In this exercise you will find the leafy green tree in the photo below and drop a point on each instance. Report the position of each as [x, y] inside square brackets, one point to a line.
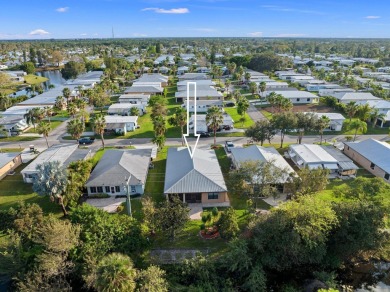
[51, 181]
[28, 67]
[134, 111]
[305, 122]
[364, 112]
[179, 119]
[115, 272]
[75, 128]
[284, 122]
[253, 88]
[242, 106]
[268, 61]
[99, 125]
[34, 116]
[149, 213]
[322, 124]
[172, 215]
[72, 69]
[5, 101]
[66, 93]
[261, 131]
[152, 280]
[159, 141]
[358, 125]
[257, 280]
[72, 109]
[228, 224]
[78, 174]
[262, 87]
[282, 103]
[214, 119]
[44, 129]
[309, 181]
[375, 115]
[60, 103]
[351, 109]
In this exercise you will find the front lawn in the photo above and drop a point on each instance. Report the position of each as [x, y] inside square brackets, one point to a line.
[34, 79]
[18, 139]
[53, 125]
[232, 111]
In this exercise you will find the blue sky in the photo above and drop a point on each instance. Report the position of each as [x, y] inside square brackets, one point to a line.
[26, 19]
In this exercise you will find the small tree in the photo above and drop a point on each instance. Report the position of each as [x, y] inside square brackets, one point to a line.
[358, 125]
[153, 280]
[75, 128]
[262, 87]
[322, 124]
[305, 122]
[51, 181]
[242, 106]
[228, 224]
[44, 129]
[284, 122]
[134, 111]
[172, 215]
[261, 131]
[214, 119]
[351, 109]
[179, 119]
[309, 182]
[253, 88]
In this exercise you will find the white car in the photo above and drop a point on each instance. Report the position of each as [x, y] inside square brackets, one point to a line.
[228, 146]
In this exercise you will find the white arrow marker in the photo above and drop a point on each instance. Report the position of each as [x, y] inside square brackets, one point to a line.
[191, 151]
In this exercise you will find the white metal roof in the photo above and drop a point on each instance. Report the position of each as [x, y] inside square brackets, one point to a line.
[294, 94]
[7, 157]
[120, 119]
[311, 153]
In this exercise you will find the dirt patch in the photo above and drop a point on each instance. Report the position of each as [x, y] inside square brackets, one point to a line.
[307, 108]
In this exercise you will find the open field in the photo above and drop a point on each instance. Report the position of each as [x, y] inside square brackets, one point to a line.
[34, 79]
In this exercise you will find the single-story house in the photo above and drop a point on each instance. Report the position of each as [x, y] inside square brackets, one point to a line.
[312, 156]
[263, 154]
[302, 80]
[371, 154]
[321, 86]
[182, 69]
[13, 122]
[334, 91]
[145, 89]
[195, 180]
[201, 125]
[135, 99]
[202, 105]
[118, 169]
[336, 120]
[346, 165]
[9, 161]
[49, 97]
[123, 109]
[202, 93]
[182, 85]
[354, 96]
[288, 75]
[296, 96]
[121, 124]
[63, 153]
[274, 85]
[193, 76]
[383, 106]
[169, 58]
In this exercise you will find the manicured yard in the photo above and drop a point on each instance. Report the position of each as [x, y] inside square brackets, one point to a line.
[18, 139]
[53, 125]
[34, 79]
[232, 111]
[5, 150]
[14, 190]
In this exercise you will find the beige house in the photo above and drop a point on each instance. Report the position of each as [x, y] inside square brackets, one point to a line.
[371, 154]
[9, 162]
[195, 180]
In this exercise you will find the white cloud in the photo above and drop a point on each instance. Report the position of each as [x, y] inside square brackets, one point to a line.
[289, 35]
[203, 29]
[139, 35]
[255, 34]
[39, 32]
[83, 34]
[168, 11]
[372, 17]
[62, 9]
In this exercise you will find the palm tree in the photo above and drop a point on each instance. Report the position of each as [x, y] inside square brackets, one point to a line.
[48, 112]
[134, 111]
[60, 103]
[5, 101]
[3, 131]
[75, 128]
[272, 100]
[253, 88]
[351, 109]
[83, 114]
[72, 109]
[364, 112]
[159, 125]
[179, 119]
[247, 76]
[262, 87]
[66, 93]
[214, 119]
[227, 85]
[99, 124]
[358, 125]
[231, 67]
[115, 272]
[322, 124]
[32, 116]
[44, 129]
[159, 141]
[375, 115]
[242, 107]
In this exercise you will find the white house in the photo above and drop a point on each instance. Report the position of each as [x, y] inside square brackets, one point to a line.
[193, 76]
[123, 109]
[354, 96]
[13, 122]
[383, 107]
[302, 80]
[333, 91]
[182, 69]
[320, 86]
[336, 120]
[274, 85]
[121, 124]
[202, 105]
[296, 96]
[201, 125]
[118, 170]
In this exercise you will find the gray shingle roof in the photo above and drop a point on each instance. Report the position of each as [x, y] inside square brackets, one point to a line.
[117, 165]
[197, 175]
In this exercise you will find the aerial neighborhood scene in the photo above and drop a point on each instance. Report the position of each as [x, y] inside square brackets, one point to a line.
[206, 145]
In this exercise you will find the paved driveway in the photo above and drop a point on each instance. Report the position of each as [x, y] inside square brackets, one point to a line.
[107, 204]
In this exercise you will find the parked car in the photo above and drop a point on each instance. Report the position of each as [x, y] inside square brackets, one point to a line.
[227, 127]
[228, 146]
[203, 134]
[230, 104]
[86, 141]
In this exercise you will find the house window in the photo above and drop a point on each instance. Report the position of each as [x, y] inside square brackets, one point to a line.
[117, 189]
[298, 99]
[107, 189]
[93, 190]
[348, 147]
[133, 189]
[372, 166]
[213, 196]
[308, 99]
[100, 190]
[387, 176]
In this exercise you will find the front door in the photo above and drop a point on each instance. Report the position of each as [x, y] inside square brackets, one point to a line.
[112, 190]
[194, 198]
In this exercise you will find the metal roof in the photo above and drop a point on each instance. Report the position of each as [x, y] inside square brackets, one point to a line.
[120, 119]
[311, 153]
[201, 174]
[377, 152]
[116, 167]
[343, 161]
[141, 89]
[294, 94]
[5, 158]
[355, 96]
[331, 116]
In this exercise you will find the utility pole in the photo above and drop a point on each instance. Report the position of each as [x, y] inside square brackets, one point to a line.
[128, 199]
[113, 35]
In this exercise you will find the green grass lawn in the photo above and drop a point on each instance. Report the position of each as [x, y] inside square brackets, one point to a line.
[53, 125]
[17, 139]
[232, 111]
[6, 150]
[267, 114]
[34, 79]
[62, 114]
[14, 190]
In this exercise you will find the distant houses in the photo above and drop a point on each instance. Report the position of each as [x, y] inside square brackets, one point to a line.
[121, 124]
[202, 126]
[118, 170]
[197, 180]
[347, 97]
[336, 120]
[296, 96]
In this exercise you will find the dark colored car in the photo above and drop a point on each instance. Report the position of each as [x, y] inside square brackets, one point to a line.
[203, 134]
[230, 104]
[86, 141]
